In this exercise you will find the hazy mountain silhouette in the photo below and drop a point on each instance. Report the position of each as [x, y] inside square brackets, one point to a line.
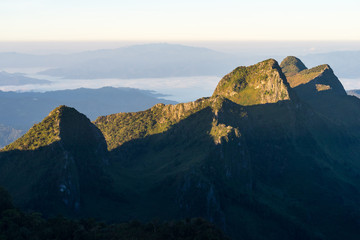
[139, 61]
[355, 92]
[18, 79]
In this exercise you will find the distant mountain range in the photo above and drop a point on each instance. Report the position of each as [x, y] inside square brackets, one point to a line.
[272, 154]
[161, 60]
[140, 61]
[18, 79]
[9, 134]
[355, 92]
[22, 110]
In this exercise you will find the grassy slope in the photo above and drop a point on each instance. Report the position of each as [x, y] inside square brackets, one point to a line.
[306, 76]
[123, 127]
[40, 135]
[257, 84]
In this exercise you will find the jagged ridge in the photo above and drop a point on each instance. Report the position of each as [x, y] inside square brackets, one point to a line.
[258, 84]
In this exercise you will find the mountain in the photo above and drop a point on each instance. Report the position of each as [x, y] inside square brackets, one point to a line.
[258, 84]
[148, 61]
[292, 65]
[68, 153]
[259, 158]
[308, 82]
[18, 79]
[138, 61]
[27, 108]
[322, 90]
[354, 92]
[8, 134]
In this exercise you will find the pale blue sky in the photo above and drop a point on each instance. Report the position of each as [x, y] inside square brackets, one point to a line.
[160, 20]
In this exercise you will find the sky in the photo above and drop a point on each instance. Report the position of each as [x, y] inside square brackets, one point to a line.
[167, 20]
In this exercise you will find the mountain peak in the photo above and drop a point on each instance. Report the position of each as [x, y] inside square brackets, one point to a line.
[308, 82]
[257, 84]
[63, 124]
[59, 111]
[292, 65]
[41, 134]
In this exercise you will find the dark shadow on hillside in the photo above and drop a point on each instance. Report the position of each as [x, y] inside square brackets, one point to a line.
[333, 104]
[190, 132]
[285, 167]
[54, 179]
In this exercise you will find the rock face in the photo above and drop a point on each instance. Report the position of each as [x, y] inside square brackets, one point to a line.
[258, 84]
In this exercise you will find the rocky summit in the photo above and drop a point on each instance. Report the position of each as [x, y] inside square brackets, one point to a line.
[262, 158]
[307, 82]
[258, 84]
[292, 65]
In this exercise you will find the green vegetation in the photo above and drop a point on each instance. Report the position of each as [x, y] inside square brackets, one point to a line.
[257, 84]
[123, 127]
[17, 225]
[41, 134]
[306, 76]
[5, 201]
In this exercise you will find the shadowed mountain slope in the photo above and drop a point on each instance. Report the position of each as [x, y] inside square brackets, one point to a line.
[307, 82]
[55, 163]
[322, 90]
